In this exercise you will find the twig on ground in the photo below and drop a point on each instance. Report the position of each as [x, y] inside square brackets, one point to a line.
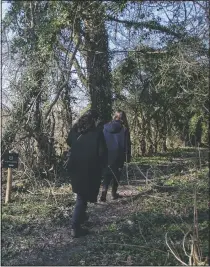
[171, 250]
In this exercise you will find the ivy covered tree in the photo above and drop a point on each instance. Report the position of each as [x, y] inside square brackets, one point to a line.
[149, 58]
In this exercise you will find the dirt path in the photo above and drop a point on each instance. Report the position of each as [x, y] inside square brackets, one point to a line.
[36, 231]
[55, 246]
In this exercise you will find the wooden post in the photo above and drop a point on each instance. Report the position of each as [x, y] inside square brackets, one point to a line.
[9, 186]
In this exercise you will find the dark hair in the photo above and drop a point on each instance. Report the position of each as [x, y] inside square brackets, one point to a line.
[86, 121]
[122, 117]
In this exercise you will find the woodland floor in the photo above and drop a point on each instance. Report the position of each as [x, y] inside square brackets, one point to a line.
[158, 198]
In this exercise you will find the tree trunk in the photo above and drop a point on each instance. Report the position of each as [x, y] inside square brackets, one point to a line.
[98, 67]
[164, 133]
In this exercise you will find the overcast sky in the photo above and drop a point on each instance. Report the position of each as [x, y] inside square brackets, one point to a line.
[4, 7]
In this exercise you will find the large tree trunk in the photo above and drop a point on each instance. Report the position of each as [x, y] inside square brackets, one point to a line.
[98, 68]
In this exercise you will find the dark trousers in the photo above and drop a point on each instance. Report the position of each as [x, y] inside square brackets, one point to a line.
[79, 211]
[111, 174]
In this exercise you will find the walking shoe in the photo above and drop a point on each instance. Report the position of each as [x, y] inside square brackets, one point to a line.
[103, 196]
[116, 196]
[78, 232]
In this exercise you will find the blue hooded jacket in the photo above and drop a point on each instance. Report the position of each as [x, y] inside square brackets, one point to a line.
[118, 143]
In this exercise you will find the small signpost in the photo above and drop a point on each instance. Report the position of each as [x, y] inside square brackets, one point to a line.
[10, 161]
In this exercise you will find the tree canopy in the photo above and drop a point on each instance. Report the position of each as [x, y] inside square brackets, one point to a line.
[149, 58]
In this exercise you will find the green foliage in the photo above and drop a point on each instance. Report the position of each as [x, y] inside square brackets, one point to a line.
[161, 88]
[193, 123]
[131, 232]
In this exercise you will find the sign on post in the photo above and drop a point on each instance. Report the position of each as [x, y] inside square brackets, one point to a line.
[10, 161]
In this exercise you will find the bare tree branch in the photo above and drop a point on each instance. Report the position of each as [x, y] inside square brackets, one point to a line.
[153, 26]
[171, 250]
[65, 83]
[79, 72]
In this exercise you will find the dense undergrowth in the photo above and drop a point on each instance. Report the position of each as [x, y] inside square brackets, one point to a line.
[130, 231]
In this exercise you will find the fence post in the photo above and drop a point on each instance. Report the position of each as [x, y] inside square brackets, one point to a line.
[9, 186]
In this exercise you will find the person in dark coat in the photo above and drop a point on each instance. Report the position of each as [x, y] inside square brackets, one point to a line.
[118, 142]
[87, 160]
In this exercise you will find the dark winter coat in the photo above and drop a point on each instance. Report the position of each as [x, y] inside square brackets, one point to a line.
[118, 143]
[87, 160]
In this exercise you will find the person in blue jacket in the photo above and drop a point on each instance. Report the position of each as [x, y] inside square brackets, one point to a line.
[117, 136]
